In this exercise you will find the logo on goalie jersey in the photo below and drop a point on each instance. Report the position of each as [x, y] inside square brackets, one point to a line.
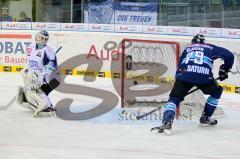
[39, 54]
[34, 64]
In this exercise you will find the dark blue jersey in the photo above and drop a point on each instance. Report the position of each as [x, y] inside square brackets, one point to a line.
[196, 62]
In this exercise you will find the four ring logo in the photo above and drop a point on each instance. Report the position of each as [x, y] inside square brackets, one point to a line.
[7, 68]
[22, 25]
[106, 28]
[132, 28]
[17, 25]
[69, 72]
[80, 27]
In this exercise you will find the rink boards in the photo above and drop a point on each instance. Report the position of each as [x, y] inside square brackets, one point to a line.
[97, 47]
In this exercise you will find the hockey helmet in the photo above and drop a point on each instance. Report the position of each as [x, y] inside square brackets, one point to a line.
[42, 37]
[198, 39]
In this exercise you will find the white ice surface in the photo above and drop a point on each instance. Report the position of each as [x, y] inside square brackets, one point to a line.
[108, 137]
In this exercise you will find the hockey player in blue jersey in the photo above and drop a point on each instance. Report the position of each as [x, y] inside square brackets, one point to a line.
[195, 69]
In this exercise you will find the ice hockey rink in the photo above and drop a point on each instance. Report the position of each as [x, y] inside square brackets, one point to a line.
[108, 137]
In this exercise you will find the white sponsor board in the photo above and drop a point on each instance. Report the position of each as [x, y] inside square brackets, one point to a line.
[128, 28]
[17, 25]
[123, 28]
[101, 27]
[74, 27]
[179, 30]
[155, 29]
[231, 33]
[211, 32]
[93, 45]
[46, 26]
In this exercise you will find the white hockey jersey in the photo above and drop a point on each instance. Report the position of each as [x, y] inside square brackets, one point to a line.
[41, 61]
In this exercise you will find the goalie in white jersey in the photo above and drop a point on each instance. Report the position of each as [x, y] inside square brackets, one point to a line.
[41, 64]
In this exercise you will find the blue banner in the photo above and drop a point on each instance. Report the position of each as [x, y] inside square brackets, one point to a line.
[136, 13]
[99, 13]
[127, 13]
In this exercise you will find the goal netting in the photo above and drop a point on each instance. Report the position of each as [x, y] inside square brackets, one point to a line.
[148, 69]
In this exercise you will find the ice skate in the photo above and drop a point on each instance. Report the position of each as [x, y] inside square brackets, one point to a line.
[207, 121]
[46, 112]
[165, 128]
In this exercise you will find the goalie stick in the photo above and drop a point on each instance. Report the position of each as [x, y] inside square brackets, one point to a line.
[4, 107]
[156, 109]
[58, 49]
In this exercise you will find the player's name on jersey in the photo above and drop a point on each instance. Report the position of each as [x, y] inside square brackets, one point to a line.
[198, 69]
[194, 49]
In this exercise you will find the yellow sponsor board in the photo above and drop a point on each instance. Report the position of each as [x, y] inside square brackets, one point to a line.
[117, 75]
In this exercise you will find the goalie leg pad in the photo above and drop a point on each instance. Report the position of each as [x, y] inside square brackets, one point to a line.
[29, 106]
[22, 101]
[20, 95]
[33, 81]
[38, 99]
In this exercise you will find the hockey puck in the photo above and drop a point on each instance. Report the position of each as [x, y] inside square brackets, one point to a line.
[135, 82]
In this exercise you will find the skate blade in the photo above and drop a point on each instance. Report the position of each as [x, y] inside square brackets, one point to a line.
[206, 125]
[167, 132]
[39, 114]
[45, 115]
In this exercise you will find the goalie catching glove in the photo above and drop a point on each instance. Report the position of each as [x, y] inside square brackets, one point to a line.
[223, 73]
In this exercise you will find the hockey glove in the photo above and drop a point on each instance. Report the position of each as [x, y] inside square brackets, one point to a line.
[223, 73]
[35, 81]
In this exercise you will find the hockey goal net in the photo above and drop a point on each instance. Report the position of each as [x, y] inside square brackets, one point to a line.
[148, 70]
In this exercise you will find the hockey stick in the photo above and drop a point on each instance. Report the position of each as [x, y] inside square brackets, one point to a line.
[3, 107]
[152, 111]
[58, 49]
